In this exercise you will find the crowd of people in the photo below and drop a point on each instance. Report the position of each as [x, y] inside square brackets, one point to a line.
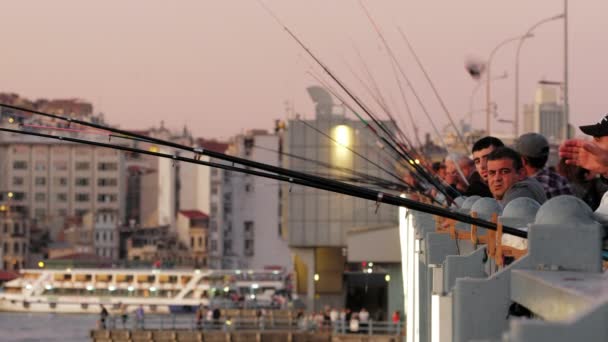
[344, 319]
[505, 173]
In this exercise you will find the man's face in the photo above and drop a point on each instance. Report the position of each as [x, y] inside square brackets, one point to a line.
[451, 173]
[481, 161]
[501, 176]
[601, 142]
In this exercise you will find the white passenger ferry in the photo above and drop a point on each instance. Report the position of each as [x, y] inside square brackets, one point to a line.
[158, 290]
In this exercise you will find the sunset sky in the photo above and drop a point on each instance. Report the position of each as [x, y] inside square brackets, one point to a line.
[224, 66]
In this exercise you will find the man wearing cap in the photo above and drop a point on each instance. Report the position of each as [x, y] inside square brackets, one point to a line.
[534, 151]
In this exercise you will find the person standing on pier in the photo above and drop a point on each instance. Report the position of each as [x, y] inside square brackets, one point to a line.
[139, 317]
[103, 315]
[123, 314]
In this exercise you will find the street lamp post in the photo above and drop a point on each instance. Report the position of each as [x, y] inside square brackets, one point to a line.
[521, 42]
[474, 92]
[488, 77]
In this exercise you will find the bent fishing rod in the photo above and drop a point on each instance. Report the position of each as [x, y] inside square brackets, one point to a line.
[406, 161]
[400, 151]
[289, 176]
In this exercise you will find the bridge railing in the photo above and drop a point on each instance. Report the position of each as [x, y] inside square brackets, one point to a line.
[189, 322]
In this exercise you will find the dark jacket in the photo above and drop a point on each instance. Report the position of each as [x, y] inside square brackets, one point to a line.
[477, 186]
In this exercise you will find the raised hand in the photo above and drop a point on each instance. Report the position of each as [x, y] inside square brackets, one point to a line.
[585, 154]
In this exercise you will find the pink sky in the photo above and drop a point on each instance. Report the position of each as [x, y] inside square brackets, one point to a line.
[224, 66]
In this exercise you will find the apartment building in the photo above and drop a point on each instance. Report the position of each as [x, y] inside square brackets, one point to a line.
[192, 230]
[47, 179]
[106, 234]
[245, 209]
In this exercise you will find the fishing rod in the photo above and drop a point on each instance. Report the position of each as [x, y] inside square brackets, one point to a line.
[353, 151]
[329, 166]
[380, 101]
[137, 137]
[420, 174]
[284, 175]
[398, 159]
[407, 106]
[410, 85]
[399, 151]
[428, 78]
[315, 182]
[375, 120]
[402, 72]
[362, 177]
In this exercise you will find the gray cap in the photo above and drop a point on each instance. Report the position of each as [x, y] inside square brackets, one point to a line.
[532, 145]
[485, 207]
[519, 212]
[565, 210]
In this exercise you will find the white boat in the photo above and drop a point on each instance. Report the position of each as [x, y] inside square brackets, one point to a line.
[158, 291]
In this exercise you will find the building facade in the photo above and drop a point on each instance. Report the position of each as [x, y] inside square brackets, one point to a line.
[193, 230]
[546, 116]
[317, 222]
[14, 241]
[46, 180]
[246, 210]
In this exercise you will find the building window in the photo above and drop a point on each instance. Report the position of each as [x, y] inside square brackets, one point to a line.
[200, 241]
[16, 228]
[191, 242]
[248, 187]
[60, 165]
[104, 236]
[107, 182]
[81, 181]
[16, 247]
[40, 165]
[106, 198]
[83, 166]
[213, 226]
[60, 181]
[39, 212]
[18, 180]
[228, 246]
[214, 189]
[19, 165]
[248, 228]
[213, 245]
[227, 208]
[5, 228]
[40, 197]
[213, 209]
[107, 166]
[80, 212]
[81, 197]
[40, 181]
[6, 250]
[62, 197]
[248, 247]
[19, 196]
[62, 212]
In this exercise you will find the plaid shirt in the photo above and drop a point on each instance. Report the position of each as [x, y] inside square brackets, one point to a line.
[553, 183]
